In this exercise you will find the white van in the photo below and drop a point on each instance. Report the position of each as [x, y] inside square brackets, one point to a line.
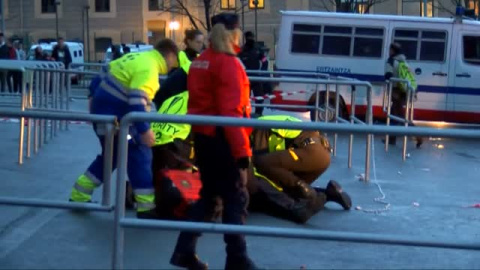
[76, 51]
[133, 48]
[443, 52]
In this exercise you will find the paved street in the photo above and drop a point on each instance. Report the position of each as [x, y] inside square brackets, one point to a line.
[429, 195]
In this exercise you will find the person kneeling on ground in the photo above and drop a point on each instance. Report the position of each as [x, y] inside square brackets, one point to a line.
[286, 163]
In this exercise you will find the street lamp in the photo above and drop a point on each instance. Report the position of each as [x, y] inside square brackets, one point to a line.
[174, 26]
[57, 3]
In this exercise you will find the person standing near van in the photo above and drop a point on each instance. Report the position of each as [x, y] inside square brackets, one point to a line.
[61, 53]
[399, 95]
[219, 86]
[4, 55]
[253, 59]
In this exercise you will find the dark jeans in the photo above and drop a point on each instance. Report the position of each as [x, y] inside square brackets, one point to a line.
[220, 177]
[16, 78]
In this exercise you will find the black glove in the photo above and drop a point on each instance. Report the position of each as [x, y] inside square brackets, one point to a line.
[244, 162]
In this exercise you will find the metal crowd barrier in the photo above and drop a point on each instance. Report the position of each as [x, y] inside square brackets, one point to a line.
[109, 122]
[121, 222]
[327, 81]
[49, 89]
[409, 110]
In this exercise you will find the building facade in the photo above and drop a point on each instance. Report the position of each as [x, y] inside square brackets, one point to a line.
[100, 23]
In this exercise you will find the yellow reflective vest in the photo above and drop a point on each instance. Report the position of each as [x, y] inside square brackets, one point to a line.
[276, 141]
[168, 132]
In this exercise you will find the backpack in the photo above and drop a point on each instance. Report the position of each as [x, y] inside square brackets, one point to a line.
[176, 192]
[404, 72]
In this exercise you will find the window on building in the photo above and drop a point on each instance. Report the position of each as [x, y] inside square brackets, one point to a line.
[75, 53]
[102, 5]
[472, 5]
[471, 49]
[422, 45]
[156, 5]
[102, 44]
[430, 8]
[361, 7]
[228, 4]
[260, 4]
[48, 6]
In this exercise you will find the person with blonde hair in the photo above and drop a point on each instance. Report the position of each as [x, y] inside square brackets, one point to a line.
[218, 86]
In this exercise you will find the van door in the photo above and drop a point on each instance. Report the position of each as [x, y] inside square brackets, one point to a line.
[466, 86]
[426, 49]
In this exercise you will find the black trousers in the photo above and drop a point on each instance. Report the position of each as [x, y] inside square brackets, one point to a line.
[268, 200]
[220, 177]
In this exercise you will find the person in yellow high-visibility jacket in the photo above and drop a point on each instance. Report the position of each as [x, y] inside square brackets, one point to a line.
[129, 85]
[289, 161]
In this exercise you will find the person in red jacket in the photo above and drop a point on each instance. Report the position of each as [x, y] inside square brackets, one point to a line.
[218, 86]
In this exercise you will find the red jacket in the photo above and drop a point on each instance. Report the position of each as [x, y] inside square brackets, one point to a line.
[219, 86]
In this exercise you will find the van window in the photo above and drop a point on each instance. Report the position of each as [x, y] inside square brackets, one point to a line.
[80, 53]
[337, 40]
[368, 42]
[306, 38]
[75, 54]
[422, 45]
[471, 49]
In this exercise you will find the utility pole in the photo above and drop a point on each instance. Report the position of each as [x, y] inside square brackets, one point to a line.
[87, 10]
[3, 17]
[57, 3]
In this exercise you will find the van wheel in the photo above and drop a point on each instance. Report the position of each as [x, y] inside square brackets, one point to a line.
[330, 114]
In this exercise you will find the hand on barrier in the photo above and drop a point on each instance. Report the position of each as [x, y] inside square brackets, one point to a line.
[148, 138]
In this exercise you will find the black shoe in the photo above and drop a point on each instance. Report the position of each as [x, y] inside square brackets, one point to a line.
[336, 194]
[419, 142]
[240, 263]
[150, 214]
[191, 262]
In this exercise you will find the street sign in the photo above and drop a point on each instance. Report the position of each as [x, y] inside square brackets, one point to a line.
[260, 4]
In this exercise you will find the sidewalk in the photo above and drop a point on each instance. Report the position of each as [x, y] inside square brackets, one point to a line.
[428, 195]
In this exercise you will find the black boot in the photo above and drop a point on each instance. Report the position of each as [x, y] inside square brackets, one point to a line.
[242, 262]
[188, 261]
[150, 214]
[303, 190]
[129, 197]
[335, 193]
[303, 210]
